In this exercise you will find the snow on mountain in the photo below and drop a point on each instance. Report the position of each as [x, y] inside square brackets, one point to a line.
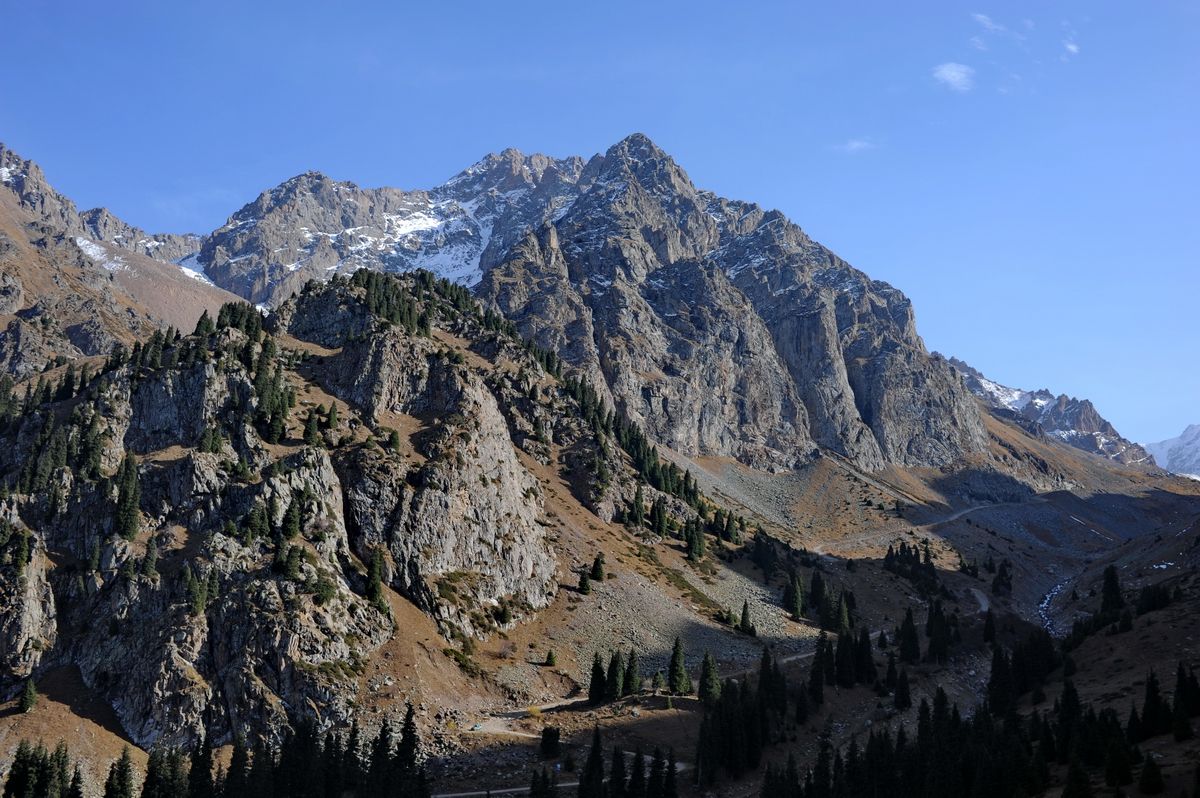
[1073, 421]
[1180, 455]
[313, 227]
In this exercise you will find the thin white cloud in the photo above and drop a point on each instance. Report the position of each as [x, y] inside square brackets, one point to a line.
[1071, 47]
[855, 146]
[978, 43]
[990, 25]
[954, 76]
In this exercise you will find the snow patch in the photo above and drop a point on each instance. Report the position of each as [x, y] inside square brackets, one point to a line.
[100, 256]
[192, 267]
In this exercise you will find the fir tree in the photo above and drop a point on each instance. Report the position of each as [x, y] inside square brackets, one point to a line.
[591, 780]
[710, 680]
[1151, 780]
[678, 680]
[614, 683]
[585, 583]
[633, 674]
[129, 498]
[903, 697]
[597, 572]
[598, 682]
[120, 777]
[1111, 600]
[910, 644]
[29, 697]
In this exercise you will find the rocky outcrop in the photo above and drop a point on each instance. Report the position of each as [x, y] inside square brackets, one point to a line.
[460, 528]
[28, 618]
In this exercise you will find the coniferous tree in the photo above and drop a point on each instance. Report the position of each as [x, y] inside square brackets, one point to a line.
[29, 697]
[617, 781]
[710, 681]
[637, 776]
[903, 697]
[678, 680]
[591, 780]
[1078, 785]
[129, 498]
[614, 683]
[1111, 600]
[1151, 780]
[375, 581]
[633, 674]
[989, 627]
[119, 783]
[598, 683]
[909, 644]
[200, 774]
[585, 583]
[597, 572]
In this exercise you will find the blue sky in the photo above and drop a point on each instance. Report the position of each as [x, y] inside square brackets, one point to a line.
[1026, 172]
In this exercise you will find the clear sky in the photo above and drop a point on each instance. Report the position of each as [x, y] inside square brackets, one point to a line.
[1027, 172]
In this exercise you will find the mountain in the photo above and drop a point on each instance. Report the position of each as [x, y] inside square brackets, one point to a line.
[1073, 421]
[658, 421]
[73, 284]
[1180, 455]
[717, 325]
[312, 227]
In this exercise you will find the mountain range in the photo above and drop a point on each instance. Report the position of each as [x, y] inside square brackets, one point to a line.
[358, 448]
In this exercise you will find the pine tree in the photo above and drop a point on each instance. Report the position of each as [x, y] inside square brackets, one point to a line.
[903, 697]
[910, 644]
[591, 780]
[409, 745]
[1151, 780]
[597, 572]
[598, 683]
[200, 774]
[678, 680]
[614, 683]
[29, 697]
[617, 782]
[710, 680]
[989, 627]
[744, 624]
[120, 777]
[1078, 785]
[1111, 600]
[633, 674]
[375, 581]
[585, 583]
[551, 660]
[312, 431]
[129, 498]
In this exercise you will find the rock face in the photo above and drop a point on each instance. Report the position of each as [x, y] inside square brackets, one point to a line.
[720, 327]
[724, 330]
[1075, 422]
[1180, 455]
[461, 528]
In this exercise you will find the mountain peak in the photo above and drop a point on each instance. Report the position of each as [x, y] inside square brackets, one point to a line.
[637, 147]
